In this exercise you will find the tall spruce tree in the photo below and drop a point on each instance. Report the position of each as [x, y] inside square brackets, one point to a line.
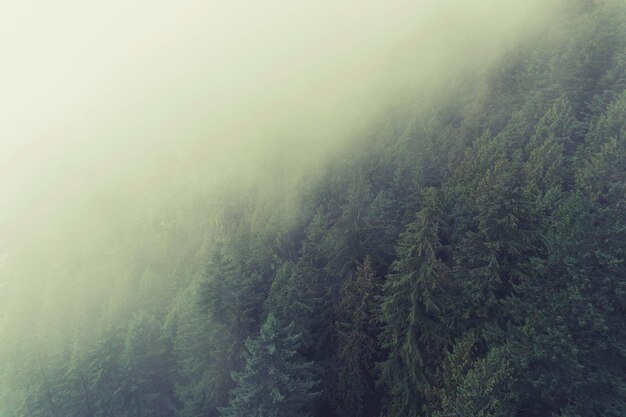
[357, 346]
[412, 312]
[276, 382]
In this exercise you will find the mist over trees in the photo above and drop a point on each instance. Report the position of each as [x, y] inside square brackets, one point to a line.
[465, 256]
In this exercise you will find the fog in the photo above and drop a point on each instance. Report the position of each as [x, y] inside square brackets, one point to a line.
[107, 105]
[96, 93]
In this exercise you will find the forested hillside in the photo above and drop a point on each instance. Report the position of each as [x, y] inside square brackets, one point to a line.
[463, 257]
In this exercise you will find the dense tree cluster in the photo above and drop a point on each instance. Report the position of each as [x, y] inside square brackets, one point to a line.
[467, 260]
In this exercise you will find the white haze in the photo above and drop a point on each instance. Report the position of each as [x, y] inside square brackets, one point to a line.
[107, 100]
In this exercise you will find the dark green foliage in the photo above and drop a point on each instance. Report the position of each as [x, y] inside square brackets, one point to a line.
[149, 388]
[575, 304]
[288, 302]
[480, 388]
[275, 381]
[465, 257]
[413, 312]
[357, 345]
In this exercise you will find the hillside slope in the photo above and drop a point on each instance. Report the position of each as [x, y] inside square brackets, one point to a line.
[465, 258]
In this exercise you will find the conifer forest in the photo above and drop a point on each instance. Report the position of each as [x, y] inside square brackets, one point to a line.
[452, 244]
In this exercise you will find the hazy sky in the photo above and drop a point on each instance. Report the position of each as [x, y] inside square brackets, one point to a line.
[117, 114]
[92, 91]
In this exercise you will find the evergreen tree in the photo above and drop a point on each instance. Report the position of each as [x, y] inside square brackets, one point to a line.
[275, 381]
[477, 388]
[504, 296]
[288, 302]
[148, 389]
[413, 310]
[357, 347]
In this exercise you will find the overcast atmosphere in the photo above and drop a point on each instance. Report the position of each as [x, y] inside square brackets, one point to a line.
[331, 208]
[95, 92]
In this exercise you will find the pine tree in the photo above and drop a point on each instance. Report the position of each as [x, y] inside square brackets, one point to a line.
[288, 302]
[357, 347]
[234, 300]
[275, 381]
[569, 349]
[476, 388]
[412, 311]
[149, 387]
[504, 234]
